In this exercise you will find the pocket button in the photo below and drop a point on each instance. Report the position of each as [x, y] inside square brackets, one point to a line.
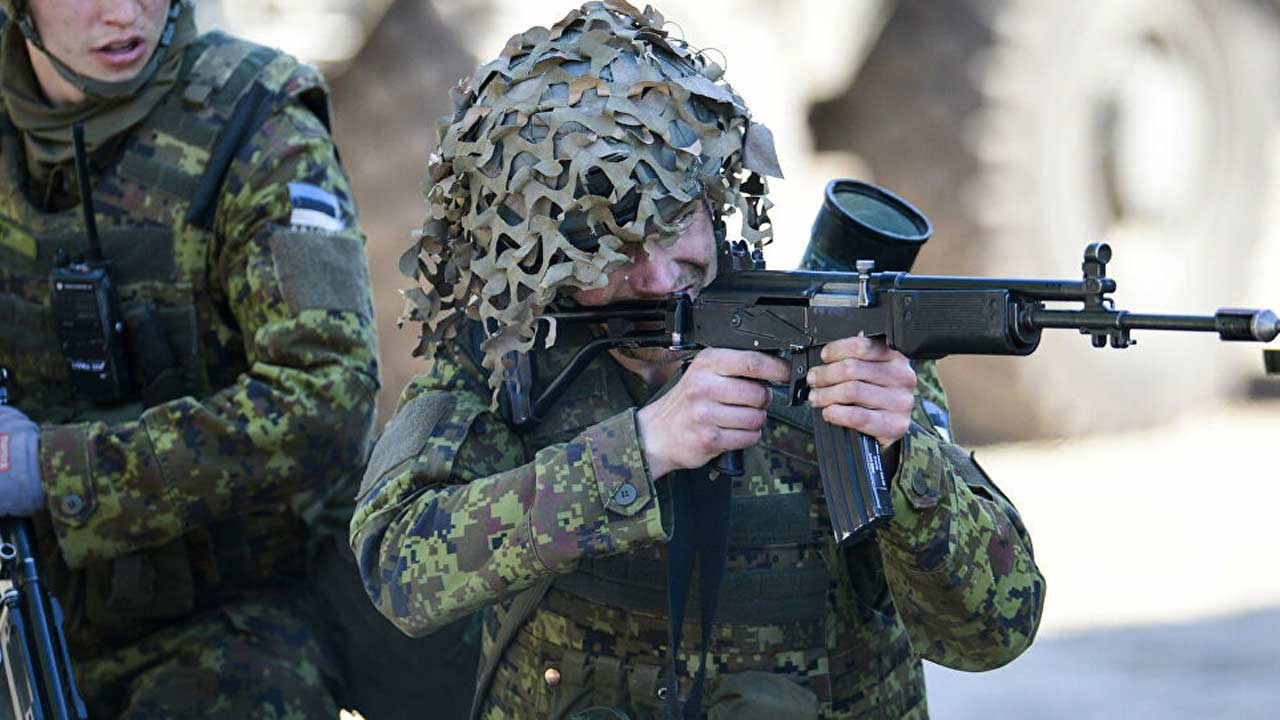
[625, 494]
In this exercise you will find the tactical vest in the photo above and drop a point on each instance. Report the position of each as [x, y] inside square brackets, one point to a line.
[758, 519]
[155, 192]
[770, 516]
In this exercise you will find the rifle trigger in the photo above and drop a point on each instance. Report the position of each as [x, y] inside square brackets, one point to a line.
[798, 383]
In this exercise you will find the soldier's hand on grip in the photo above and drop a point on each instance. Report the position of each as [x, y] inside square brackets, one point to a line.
[865, 386]
[716, 406]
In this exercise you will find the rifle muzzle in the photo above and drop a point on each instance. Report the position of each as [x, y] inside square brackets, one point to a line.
[1247, 324]
[1274, 331]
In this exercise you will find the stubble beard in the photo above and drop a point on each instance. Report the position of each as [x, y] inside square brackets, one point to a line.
[657, 364]
[695, 277]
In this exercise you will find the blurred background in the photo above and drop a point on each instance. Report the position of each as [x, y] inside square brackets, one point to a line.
[1025, 129]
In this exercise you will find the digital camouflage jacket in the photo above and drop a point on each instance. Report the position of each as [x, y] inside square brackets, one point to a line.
[185, 494]
[459, 512]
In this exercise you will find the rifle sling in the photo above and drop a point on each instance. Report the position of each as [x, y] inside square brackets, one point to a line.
[700, 510]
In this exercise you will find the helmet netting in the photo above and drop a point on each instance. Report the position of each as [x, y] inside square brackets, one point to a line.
[597, 132]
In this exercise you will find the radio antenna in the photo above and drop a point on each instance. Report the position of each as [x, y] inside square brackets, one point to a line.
[86, 196]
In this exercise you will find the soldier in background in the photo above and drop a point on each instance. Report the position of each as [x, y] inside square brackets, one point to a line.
[593, 162]
[169, 507]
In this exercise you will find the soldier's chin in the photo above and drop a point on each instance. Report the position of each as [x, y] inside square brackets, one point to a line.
[655, 355]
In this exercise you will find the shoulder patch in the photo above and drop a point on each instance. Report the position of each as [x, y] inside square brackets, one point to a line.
[321, 271]
[405, 436]
[314, 207]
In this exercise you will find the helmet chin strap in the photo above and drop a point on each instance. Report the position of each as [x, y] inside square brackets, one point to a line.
[101, 89]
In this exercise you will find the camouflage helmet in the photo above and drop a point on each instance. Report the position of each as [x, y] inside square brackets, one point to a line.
[597, 132]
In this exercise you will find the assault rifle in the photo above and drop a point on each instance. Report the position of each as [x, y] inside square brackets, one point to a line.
[795, 313]
[36, 662]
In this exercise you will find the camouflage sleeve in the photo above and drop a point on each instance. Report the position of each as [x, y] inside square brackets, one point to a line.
[956, 555]
[299, 412]
[452, 516]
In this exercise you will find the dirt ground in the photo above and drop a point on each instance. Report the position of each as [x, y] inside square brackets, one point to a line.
[1225, 667]
[1160, 551]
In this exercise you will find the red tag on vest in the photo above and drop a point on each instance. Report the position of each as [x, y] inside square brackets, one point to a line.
[4, 452]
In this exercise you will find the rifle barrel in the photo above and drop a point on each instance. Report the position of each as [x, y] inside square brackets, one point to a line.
[1104, 319]
[49, 681]
[1243, 324]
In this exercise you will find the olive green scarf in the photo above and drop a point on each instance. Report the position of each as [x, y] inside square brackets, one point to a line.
[108, 110]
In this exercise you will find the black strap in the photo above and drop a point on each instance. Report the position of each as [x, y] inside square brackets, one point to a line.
[251, 111]
[700, 510]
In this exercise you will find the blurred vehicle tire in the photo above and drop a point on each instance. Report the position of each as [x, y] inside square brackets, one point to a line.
[1026, 129]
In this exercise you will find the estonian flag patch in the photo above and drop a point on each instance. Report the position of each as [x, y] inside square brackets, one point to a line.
[314, 207]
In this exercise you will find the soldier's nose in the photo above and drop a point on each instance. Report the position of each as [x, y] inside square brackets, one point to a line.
[120, 12]
[656, 275]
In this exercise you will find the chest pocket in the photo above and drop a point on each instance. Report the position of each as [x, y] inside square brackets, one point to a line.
[159, 309]
[162, 319]
[157, 302]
